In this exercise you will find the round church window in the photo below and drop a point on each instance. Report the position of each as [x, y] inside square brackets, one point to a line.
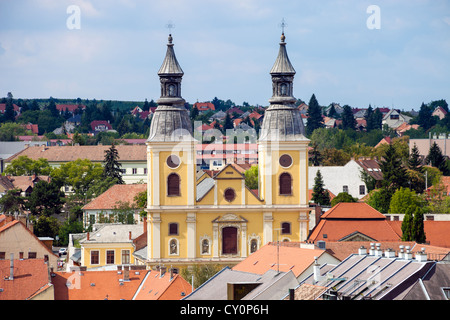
[285, 161]
[229, 195]
[173, 161]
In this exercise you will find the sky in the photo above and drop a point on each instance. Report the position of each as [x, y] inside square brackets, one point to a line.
[396, 54]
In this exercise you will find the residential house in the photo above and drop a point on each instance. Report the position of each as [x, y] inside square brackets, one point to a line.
[230, 284]
[25, 279]
[405, 127]
[393, 119]
[5, 185]
[26, 183]
[439, 112]
[286, 256]
[353, 222]
[219, 115]
[215, 156]
[15, 106]
[236, 110]
[63, 108]
[100, 126]
[109, 245]
[424, 145]
[204, 107]
[303, 108]
[110, 201]
[345, 178]
[17, 239]
[133, 158]
[385, 140]
[9, 148]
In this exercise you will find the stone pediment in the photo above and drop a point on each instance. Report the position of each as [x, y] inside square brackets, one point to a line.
[229, 217]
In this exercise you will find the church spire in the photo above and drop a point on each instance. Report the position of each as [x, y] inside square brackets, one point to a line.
[282, 120]
[171, 119]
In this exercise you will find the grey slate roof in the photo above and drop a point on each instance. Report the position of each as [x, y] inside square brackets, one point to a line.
[282, 123]
[273, 285]
[170, 123]
[203, 187]
[282, 64]
[432, 285]
[170, 64]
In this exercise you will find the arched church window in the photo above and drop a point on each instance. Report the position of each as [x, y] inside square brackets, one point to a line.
[285, 184]
[284, 89]
[173, 185]
[172, 90]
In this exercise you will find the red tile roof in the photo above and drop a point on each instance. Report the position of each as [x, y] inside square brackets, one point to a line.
[117, 193]
[345, 219]
[96, 285]
[157, 287]
[290, 258]
[204, 106]
[68, 107]
[436, 232]
[30, 277]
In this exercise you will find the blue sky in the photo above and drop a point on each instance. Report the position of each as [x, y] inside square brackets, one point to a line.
[227, 48]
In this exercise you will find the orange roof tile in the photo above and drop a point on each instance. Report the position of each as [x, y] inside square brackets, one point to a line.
[96, 285]
[72, 153]
[117, 193]
[156, 287]
[30, 276]
[345, 219]
[290, 258]
[346, 210]
[436, 232]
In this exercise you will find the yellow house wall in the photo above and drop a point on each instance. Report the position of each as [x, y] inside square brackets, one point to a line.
[292, 218]
[102, 254]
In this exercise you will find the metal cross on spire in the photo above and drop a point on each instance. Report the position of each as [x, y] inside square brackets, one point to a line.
[282, 25]
[170, 26]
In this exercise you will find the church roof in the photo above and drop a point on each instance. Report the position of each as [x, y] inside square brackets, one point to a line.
[282, 123]
[170, 123]
[282, 63]
[170, 64]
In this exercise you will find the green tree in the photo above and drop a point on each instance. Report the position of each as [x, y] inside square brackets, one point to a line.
[25, 166]
[348, 120]
[407, 225]
[80, 174]
[46, 199]
[425, 118]
[394, 174]
[437, 159]
[342, 197]
[44, 226]
[11, 202]
[320, 195]
[315, 155]
[380, 200]
[200, 273]
[314, 114]
[69, 226]
[418, 229]
[9, 115]
[251, 178]
[112, 165]
[402, 199]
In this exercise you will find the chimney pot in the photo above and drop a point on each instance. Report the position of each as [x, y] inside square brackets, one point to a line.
[88, 237]
[11, 269]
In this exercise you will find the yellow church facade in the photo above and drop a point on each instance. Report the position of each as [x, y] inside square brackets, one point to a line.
[193, 218]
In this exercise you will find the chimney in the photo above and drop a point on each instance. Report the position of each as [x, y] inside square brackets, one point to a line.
[126, 273]
[316, 271]
[408, 254]
[318, 214]
[378, 251]
[372, 249]
[400, 254]
[88, 238]
[129, 235]
[11, 268]
[162, 271]
[389, 253]
[362, 251]
[291, 294]
[421, 256]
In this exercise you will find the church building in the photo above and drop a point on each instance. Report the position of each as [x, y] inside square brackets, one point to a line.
[193, 218]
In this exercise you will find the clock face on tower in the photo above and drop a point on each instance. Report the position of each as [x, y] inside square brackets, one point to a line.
[173, 161]
[285, 161]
